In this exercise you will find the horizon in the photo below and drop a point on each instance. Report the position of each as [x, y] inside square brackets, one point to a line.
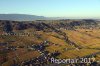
[53, 8]
[54, 18]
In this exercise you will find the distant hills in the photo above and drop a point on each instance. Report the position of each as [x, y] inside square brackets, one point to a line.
[21, 17]
[26, 17]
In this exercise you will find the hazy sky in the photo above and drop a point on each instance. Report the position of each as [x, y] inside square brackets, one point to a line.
[52, 8]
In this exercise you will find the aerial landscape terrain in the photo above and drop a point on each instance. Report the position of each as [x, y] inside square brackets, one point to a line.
[49, 32]
[34, 43]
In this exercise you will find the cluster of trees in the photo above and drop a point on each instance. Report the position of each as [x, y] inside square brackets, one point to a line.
[7, 27]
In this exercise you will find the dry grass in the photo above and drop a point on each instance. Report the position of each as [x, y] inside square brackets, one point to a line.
[80, 37]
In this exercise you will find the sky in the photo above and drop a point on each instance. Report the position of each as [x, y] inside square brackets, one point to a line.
[52, 8]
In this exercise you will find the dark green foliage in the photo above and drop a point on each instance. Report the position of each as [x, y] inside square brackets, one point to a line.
[7, 27]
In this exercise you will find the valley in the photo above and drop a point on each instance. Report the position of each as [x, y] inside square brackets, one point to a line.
[35, 43]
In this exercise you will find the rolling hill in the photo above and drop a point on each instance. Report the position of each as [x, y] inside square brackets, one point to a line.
[21, 17]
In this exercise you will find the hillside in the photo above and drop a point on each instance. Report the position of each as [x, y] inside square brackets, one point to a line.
[26, 42]
[21, 17]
